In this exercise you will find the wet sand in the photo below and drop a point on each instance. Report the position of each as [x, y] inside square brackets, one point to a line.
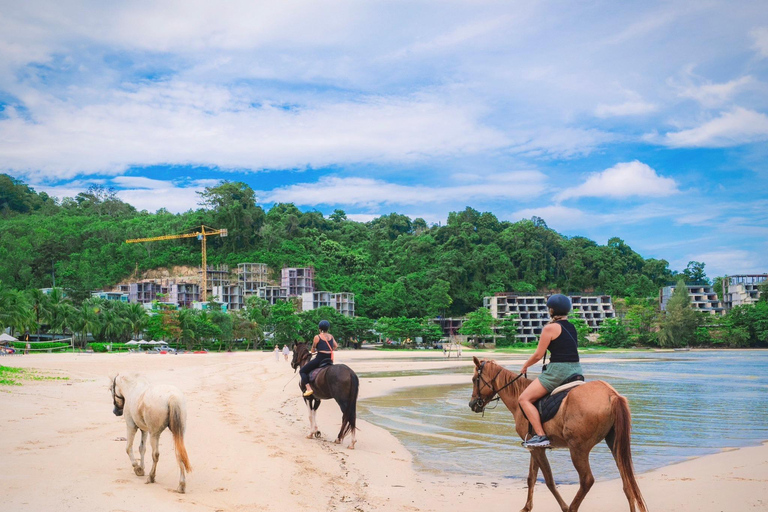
[61, 447]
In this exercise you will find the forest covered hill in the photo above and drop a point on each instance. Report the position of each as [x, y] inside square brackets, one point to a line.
[394, 264]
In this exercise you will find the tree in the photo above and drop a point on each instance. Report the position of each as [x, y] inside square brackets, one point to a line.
[508, 327]
[613, 333]
[678, 327]
[478, 324]
[284, 322]
[582, 330]
[694, 273]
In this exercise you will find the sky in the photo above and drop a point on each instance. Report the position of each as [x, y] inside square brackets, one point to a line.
[646, 121]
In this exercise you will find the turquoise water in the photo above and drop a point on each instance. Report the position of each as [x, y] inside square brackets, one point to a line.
[684, 405]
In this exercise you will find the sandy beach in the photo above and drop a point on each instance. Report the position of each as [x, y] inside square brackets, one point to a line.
[61, 448]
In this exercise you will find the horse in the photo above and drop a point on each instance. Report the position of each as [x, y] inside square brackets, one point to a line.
[589, 414]
[151, 409]
[336, 381]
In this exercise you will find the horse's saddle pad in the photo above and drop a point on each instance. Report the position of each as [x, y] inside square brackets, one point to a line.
[314, 373]
[550, 404]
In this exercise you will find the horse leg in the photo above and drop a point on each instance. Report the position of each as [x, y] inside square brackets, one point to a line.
[154, 439]
[533, 472]
[344, 422]
[316, 430]
[580, 459]
[142, 450]
[132, 428]
[311, 410]
[541, 459]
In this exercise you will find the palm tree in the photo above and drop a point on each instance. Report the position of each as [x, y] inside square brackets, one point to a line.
[15, 310]
[137, 318]
[40, 307]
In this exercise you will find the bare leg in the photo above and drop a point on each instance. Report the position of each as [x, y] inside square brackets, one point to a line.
[533, 392]
[541, 459]
[143, 449]
[533, 472]
[580, 459]
[132, 428]
[153, 441]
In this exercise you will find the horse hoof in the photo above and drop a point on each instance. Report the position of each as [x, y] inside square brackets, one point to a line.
[139, 471]
[338, 441]
[351, 447]
[317, 434]
[150, 480]
[182, 489]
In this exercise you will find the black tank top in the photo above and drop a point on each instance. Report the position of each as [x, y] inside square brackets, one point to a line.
[563, 349]
[324, 345]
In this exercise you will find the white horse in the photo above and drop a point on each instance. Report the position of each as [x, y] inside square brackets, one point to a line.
[151, 409]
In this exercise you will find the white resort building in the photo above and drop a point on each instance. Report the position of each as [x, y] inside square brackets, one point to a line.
[742, 289]
[703, 298]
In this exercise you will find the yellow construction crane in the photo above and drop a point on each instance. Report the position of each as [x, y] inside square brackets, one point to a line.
[201, 235]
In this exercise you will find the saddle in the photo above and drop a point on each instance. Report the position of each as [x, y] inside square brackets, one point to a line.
[314, 373]
[548, 405]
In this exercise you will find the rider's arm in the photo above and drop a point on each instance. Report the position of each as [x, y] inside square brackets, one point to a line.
[550, 332]
[335, 345]
[314, 344]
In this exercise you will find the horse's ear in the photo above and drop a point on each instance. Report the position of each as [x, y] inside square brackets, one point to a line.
[476, 360]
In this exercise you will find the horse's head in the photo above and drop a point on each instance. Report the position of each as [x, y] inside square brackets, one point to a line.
[118, 399]
[300, 355]
[483, 387]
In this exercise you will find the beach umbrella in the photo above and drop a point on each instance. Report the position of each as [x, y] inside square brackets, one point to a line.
[133, 342]
[7, 337]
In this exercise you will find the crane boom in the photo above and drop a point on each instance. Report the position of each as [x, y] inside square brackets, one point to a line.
[201, 235]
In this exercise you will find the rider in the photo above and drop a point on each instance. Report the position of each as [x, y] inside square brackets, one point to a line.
[323, 345]
[559, 336]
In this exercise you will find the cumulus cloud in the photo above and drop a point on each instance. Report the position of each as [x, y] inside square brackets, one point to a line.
[624, 179]
[369, 192]
[181, 123]
[739, 126]
[729, 261]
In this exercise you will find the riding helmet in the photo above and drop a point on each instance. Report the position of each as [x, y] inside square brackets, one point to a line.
[324, 325]
[559, 303]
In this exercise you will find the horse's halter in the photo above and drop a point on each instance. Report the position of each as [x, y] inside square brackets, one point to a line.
[116, 397]
[481, 400]
[297, 359]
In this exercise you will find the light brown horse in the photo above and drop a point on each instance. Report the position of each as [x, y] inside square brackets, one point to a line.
[590, 413]
[151, 409]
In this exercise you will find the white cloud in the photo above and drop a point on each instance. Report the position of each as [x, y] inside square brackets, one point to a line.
[623, 180]
[370, 192]
[181, 123]
[629, 108]
[141, 193]
[715, 94]
[729, 261]
[760, 37]
[739, 126]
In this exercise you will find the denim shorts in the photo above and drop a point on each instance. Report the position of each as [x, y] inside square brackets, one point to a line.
[556, 373]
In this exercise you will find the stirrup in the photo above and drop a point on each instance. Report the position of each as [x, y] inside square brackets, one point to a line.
[308, 392]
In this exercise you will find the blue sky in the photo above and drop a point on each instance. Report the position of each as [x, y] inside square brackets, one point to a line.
[642, 120]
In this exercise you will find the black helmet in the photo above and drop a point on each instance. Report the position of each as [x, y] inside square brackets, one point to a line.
[324, 325]
[559, 304]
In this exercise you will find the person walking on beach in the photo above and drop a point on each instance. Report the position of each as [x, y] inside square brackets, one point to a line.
[277, 352]
[286, 351]
[559, 336]
[323, 345]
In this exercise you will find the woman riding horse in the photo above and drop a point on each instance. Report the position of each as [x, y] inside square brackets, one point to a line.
[559, 336]
[324, 344]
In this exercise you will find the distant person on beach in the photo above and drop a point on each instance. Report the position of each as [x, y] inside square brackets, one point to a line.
[458, 350]
[323, 345]
[286, 351]
[559, 336]
[277, 352]
[28, 345]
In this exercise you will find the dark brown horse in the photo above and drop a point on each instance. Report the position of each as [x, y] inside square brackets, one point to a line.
[336, 381]
[590, 413]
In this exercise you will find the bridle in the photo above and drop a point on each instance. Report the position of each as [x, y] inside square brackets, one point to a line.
[484, 401]
[300, 356]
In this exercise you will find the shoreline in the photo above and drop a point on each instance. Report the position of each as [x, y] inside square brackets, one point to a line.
[246, 441]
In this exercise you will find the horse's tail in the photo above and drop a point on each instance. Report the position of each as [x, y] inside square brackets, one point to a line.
[176, 425]
[622, 452]
[349, 415]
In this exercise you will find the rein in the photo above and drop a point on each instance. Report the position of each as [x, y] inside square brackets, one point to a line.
[491, 385]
